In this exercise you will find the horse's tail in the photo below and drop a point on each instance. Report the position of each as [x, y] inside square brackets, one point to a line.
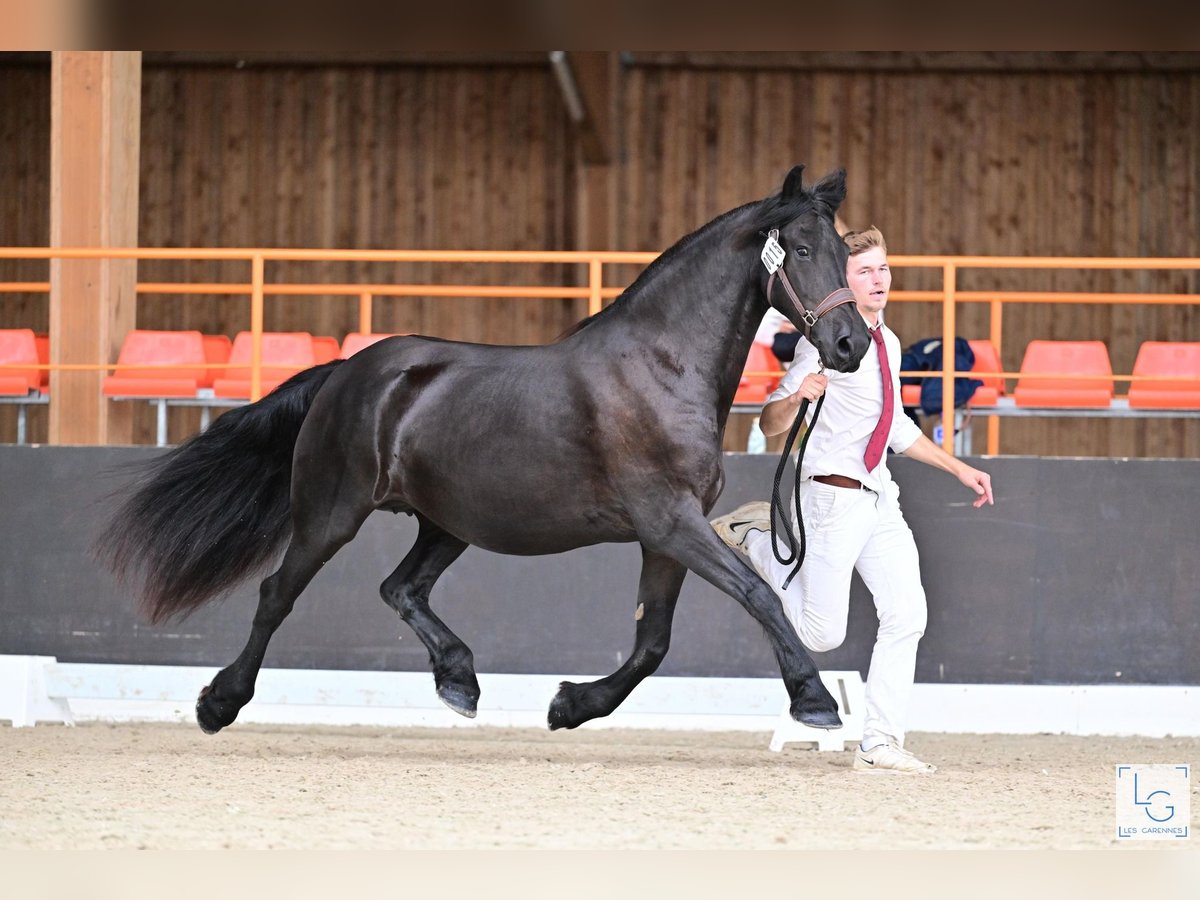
[214, 510]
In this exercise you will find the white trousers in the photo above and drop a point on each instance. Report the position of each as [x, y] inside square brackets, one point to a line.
[850, 529]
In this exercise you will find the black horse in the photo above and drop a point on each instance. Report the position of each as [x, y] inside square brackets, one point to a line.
[612, 433]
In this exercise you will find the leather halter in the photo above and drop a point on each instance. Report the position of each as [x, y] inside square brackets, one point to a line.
[809, 317]
[773, 256]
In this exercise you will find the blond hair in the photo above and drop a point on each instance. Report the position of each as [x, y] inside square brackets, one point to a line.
[862, 241]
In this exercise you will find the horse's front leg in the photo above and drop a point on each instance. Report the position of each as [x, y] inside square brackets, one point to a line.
[658, 590]
[687, 537]
[407, 589]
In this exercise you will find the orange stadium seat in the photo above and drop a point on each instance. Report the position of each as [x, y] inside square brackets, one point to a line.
[356, 341]
[283, 355]
[184, 378]
[1164, 359]
[325, 349]
[18, 346]
[1065, 358]
[986, 360]
[43, 352]
[182, 351]
[756, 388]
[217, 348]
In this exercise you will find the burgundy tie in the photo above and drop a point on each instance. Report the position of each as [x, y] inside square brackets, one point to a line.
[878, 442]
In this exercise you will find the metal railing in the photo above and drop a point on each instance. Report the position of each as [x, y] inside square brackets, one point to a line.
[257, 288]
[594, 290]
[949, 296]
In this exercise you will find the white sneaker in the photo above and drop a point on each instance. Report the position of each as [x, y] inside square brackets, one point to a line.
[738, 525]
[890, 759]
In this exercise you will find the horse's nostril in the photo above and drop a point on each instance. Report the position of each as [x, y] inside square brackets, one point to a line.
[845, 347]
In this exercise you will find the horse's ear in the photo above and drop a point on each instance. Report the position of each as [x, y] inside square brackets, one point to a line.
[831, 189]
[792, 185]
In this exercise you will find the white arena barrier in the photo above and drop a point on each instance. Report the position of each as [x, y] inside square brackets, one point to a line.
[41, 689]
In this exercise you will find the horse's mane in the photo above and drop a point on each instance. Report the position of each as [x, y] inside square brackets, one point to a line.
[760, 216]
[647, 274]
[778, 210]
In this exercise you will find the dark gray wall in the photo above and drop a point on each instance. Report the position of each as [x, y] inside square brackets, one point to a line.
[1086, 571]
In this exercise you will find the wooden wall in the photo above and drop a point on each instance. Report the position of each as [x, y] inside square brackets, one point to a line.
[1061, 161]
[24, 211]
[1058, 164]
[359, 157]
[24, 187]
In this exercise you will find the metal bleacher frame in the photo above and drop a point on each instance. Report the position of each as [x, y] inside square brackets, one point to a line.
[205, 399]
[33, 398]
[964, 417]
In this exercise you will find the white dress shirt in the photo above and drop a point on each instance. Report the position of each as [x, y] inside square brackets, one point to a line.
[769, 327]
[853, 404]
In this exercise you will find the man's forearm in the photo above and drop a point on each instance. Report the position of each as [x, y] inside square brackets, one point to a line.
[778, 415]
[926, 451]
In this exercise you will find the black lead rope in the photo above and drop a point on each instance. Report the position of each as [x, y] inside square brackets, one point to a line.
[796, 549]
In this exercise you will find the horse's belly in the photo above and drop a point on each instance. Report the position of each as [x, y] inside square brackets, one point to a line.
[512, 512]
[533, 544]
[526, 533]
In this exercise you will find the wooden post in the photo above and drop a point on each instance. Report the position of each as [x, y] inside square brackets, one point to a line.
[366, 322]
[596, 74]
[949, 330]
[95, 130]
[257, 268]
[996, 333]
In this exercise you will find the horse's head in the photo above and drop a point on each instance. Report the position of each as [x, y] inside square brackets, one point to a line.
[809, 286]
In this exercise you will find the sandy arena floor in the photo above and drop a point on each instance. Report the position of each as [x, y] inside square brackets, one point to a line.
[172, 787]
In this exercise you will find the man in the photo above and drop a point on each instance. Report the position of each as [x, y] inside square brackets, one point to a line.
[851, 509]
[779, 335]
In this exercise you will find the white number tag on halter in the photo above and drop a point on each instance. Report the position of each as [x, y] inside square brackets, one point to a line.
[772, 253]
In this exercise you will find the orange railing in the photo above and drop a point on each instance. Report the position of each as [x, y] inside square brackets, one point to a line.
[257, 287]
[594, 290]
[949, 296]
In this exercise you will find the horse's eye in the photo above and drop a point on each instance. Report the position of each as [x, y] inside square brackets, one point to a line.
[801, 251]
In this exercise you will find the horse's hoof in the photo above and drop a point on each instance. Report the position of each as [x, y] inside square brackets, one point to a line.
[562, 708]
[458, 699]
[211, 714]
[818, 718]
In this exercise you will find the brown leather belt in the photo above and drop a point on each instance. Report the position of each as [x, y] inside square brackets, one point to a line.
[841, 481]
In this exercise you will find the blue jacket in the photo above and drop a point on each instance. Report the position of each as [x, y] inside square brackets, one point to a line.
[926, 356]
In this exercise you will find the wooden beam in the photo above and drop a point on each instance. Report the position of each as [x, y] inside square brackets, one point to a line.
[924, 60]
[325, 58]
[596, 75]
[596, 72]
[95, 108]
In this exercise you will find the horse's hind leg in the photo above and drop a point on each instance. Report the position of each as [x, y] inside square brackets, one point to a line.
[310, 548]
[407, 589]
[658, 590]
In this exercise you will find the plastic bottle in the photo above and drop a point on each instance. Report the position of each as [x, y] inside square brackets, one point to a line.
[757, 442]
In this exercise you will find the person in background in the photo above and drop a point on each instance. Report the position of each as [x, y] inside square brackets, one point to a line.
[778, 335]
[852, 513]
